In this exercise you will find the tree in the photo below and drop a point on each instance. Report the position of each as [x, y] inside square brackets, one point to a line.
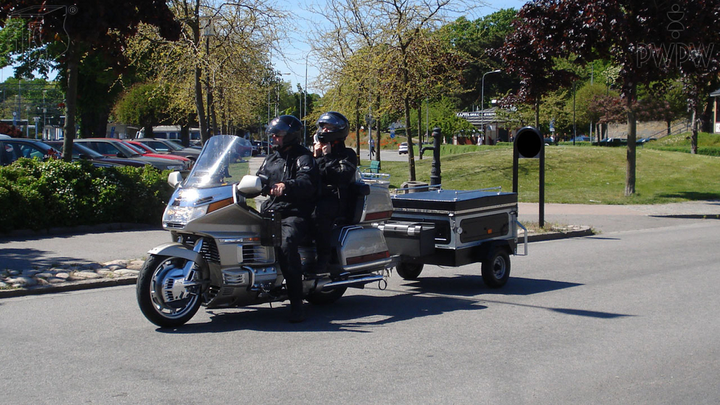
[474, 39]
[219, 72]
[586, 108]
[530, 52]
[83, 26]
[143, 103]
[691, 50]
[617, 30]
[395, 35]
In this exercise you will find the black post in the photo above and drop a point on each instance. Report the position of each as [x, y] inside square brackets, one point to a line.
[435, 171]
[541, 188]
[515, 168]
[529, 144]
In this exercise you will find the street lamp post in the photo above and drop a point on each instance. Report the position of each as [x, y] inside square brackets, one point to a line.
[482, 99]
[44, 113]
[277, 102]
[304, 112]
[208, 31]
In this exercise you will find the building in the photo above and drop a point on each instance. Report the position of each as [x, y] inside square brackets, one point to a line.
[716, 111]
[488, 119]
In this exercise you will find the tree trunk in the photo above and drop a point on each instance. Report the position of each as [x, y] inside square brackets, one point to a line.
[377, 141]
[185, 135]
[631, 147]
[71, 100]
[199, 105]
[411, 153]
[357, 129]
[420, 137]
[707, 118]
[694, 137]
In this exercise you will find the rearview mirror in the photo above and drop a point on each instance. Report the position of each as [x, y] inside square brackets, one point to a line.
[250, 186]
[174, 179]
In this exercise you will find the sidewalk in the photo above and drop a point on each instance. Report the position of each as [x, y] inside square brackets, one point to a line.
[105, 256]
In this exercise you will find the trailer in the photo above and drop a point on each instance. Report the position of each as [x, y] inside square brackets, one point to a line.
[454, 228]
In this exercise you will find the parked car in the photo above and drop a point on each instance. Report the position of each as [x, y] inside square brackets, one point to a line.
[643, 141]
[12, 149]
[580, 138]
[116, 148]
[403, 148]
[81, 152]
[245, 147]
[171, 146]
[193, 145]
[148, 151]
[612, 142]
[260, 147]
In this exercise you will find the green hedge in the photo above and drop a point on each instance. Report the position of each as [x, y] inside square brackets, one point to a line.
[39, 195]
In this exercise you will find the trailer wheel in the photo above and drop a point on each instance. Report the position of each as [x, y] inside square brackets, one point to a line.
[496, 269]
[325, 297]
[409, 271]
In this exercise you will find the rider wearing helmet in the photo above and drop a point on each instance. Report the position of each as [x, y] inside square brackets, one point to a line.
[292, 186]
[338, 167]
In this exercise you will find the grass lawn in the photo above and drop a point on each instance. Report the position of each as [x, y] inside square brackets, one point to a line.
[579, 175]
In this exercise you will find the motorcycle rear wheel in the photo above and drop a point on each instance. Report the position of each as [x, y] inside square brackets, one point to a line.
[409, 271]
[161, 295]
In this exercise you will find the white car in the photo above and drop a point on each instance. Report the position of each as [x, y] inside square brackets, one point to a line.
[403, 148]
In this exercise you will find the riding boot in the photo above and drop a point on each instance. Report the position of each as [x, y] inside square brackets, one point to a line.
[297, 314]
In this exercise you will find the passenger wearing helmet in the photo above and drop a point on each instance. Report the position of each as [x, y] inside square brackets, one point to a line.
[292, 186]
[338, 167]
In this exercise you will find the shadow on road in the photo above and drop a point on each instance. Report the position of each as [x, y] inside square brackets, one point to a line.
[31, 258]
[362, 313]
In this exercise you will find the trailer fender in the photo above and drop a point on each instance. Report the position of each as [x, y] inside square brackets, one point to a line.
[489, 248]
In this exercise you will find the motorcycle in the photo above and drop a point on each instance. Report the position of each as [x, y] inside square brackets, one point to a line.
[223, 252]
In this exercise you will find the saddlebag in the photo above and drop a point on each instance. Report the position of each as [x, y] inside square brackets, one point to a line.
[271, 232]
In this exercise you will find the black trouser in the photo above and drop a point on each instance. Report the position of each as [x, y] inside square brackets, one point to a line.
[294, 231]
[327, 211]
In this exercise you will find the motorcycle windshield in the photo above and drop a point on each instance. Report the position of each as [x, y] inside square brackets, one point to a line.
[220, 163]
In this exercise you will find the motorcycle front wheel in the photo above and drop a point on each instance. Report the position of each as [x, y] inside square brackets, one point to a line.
[168, 290]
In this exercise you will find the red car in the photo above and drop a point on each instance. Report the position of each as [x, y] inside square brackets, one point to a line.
[148, 151]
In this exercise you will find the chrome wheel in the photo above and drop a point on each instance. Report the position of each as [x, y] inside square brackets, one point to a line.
[168, 290]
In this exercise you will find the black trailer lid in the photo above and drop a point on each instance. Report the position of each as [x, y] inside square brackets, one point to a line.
[453, 200]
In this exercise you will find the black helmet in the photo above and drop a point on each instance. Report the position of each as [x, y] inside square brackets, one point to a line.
[286, 127]
[337, 124]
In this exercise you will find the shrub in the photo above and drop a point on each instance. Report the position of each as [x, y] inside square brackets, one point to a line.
[37, 195]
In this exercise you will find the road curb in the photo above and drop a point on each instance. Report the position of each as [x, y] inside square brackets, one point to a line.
[688, 216]
[560, 235]
[69, 286]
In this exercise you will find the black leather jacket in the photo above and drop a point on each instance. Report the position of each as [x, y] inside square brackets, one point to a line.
[337, 171]
[295, 166]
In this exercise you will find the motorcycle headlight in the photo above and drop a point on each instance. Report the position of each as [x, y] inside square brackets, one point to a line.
[182, 215]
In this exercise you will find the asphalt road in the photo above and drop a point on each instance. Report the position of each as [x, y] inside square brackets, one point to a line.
[624, 317]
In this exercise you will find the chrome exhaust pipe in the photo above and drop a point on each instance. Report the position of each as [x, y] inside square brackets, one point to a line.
[353, 282]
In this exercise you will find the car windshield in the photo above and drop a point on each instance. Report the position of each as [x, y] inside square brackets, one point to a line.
[143, 147]
[219, 163]
[126, 150]
[84, 150]
[173, 144]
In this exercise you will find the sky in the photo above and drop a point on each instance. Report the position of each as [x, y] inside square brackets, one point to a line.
[298, 60]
